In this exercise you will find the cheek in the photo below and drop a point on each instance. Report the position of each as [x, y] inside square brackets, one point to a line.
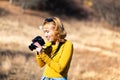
[52, 36]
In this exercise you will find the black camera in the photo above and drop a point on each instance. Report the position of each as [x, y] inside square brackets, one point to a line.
[38, 39]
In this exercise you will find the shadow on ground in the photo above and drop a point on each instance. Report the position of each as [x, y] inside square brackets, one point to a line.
[3, 12]
[15, 53]
[13, 63]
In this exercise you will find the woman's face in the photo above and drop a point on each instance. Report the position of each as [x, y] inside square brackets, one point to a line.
[49, 32]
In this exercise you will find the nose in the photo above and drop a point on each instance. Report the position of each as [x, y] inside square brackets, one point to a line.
[46, 35]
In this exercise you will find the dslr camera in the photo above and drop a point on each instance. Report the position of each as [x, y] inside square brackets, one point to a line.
[38, 39]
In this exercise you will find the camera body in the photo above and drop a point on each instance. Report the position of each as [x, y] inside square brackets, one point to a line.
[38, 39]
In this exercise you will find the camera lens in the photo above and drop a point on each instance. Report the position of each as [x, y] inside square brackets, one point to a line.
[32, 47]
[36, 39]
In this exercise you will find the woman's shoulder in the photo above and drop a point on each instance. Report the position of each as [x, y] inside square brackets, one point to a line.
[68, 42]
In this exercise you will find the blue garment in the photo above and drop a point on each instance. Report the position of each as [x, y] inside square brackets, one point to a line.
[45, 78]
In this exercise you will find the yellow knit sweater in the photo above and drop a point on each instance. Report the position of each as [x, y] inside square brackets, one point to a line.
[57, 64]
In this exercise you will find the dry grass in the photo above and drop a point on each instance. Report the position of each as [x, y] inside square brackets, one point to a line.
[96, 50]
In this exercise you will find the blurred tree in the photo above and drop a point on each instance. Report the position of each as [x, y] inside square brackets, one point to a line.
[68, 8]
[64, 7]
[108, 10]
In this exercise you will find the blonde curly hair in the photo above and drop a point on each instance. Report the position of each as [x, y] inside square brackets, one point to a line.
[58, 28]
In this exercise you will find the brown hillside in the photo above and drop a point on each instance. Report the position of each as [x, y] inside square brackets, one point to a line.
[96, 46]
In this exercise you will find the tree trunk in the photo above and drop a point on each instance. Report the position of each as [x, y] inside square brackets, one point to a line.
[11, 1]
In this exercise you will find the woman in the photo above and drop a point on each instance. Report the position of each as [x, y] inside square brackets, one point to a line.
[57, 52]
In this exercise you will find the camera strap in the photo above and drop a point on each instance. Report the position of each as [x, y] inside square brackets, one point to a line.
[57, 49]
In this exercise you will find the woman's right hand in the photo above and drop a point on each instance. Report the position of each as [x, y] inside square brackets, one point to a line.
[39, 47]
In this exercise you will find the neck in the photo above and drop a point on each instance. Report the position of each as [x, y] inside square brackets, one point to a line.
[55, 43]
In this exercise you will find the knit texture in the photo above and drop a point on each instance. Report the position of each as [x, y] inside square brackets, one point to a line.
[56, 64]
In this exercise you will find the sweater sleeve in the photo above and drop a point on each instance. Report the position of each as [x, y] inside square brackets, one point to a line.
[40, 62]
[66, 55]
